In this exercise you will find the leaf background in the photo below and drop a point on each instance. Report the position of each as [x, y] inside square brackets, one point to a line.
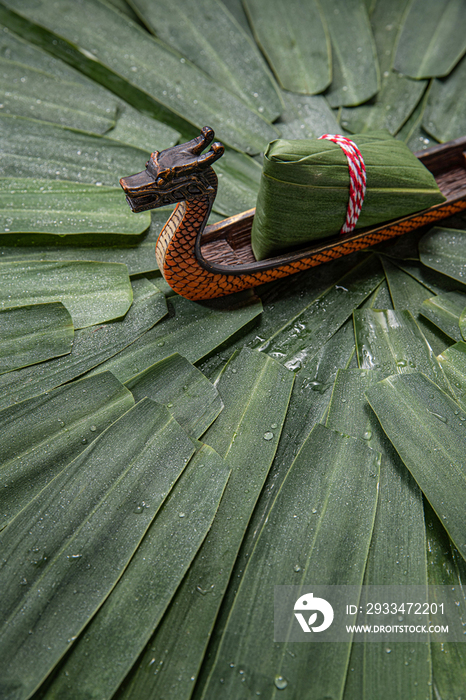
[154, 428]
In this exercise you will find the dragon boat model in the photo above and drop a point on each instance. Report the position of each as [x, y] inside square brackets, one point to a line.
[201, 261]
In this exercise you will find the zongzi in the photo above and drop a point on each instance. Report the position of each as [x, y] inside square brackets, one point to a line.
[305, 185]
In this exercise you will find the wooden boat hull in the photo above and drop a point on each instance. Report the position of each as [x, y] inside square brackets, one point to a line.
[203, 262]
[223, 262]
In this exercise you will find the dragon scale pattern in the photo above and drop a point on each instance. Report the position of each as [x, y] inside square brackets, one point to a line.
[175, 251]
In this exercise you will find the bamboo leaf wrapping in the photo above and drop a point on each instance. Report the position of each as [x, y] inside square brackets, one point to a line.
[303, 195]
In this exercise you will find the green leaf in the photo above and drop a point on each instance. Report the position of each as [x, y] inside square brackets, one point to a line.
[331, 489]
[306, 117]
[70, 545]
[136, 252]
[30, 92]
[381, 298]
[31, 334]
[235, 7]
[445, 311]
[392, 107]
[435, 281]
[283, 300]
[391, 341]
[91, 292]
[397, 554]
[453, 362]
[91, 347]
[444, 114]
[120, 120]
[238, 183]
[398, 95]
[14, 48]
[189, 396]
[444, 250]
[432, 38]
[310, 397]
[124, 7]
[61, 207]
[36, 149]
[430, 440]
[302, 335]
[111, 643]
[138, 130]
[407, 293]
[246, 433]
[147, 74]
[308, 405]
[192, 330]
[309, 401]
[197, 29]
[40, 436]
[412, 133]
[446, 568]
[354, 57]
[295, 41]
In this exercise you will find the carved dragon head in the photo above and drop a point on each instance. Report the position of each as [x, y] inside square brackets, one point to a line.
[174, 175]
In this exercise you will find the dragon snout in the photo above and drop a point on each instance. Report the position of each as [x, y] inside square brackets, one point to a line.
[139, 191]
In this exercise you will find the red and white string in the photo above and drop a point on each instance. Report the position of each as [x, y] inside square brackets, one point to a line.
[357, 173]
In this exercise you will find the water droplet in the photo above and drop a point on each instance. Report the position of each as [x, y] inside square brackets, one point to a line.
[367, 435]
[268, 435]
[314, 510]
[388, 651]
[233, 371]
[439, 416]
[161, 344]
[181, 515]
[320, 387]
[273, 426]
[296, 568]
[23, 582]
[293, 365]
[93, 428]
[401, 363]
[83, 440]
[280, 682]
